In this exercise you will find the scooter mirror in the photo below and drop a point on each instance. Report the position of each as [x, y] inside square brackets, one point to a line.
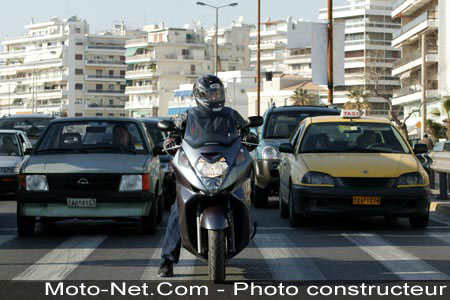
[255, 121]
[166, 125]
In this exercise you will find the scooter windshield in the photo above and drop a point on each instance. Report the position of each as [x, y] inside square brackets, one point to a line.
[214, 128]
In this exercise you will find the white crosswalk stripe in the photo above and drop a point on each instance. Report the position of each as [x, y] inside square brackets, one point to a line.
[399, 262]
[61, 261]
[285, 259]
[6, 238]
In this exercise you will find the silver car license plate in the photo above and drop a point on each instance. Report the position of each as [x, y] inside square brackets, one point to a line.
[81, 202]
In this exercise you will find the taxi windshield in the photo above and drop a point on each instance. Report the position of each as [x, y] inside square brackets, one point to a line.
[215, 128]
[352, 137]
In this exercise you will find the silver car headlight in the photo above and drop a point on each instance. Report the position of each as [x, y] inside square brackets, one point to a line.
[212, 170]
[37, 183]
[270, 152]
[130, 183]
[9, 170]
[411, 179]
[317, 178]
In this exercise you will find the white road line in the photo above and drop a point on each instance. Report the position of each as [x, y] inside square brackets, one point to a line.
[405, 265]
[61, 261]
[440, 218]
[184, 270]
[285, 259]
[442, 237]
[6, 238]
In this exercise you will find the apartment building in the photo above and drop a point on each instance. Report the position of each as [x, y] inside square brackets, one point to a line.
[281, 48]
[369, 54]
[233, 42]
[59, 67]
[422, 68]
[159, 63]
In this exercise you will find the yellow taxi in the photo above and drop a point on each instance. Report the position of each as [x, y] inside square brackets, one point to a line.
[352, 165]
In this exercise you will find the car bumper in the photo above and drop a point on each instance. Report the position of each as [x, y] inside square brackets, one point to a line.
[119, 204]
[400, 202]
[8, 186]
[266, 173]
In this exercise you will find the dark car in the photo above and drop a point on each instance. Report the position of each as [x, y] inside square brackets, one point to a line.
[91, 168]
[13, 145]
[33, 125]
[279, 124]
[158, 138]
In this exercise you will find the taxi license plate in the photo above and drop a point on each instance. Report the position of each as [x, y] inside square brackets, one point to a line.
[81, 202]
[366, 200]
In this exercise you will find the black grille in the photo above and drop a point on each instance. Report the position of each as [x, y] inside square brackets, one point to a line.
[92, 182]
[367, 182]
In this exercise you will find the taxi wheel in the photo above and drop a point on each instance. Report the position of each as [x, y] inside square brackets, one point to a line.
[149, 223]
[419, 222]
[25, 225]
[295, 220]
[261, 199]
[283, 208]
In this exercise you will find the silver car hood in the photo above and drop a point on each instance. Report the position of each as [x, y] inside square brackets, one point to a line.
[86, 163]
[10, 161]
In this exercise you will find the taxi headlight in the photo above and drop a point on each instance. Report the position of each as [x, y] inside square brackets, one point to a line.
[411, 179]
[270, 152]
[36, 183]
[131, 183]
[212, 170]
[317, 178]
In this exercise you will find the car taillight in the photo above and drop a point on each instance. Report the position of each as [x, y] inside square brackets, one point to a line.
[145, 182]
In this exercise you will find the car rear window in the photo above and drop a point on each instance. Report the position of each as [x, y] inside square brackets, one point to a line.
[34, 127]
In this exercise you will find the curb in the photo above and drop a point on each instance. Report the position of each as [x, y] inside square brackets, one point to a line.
[440, 207]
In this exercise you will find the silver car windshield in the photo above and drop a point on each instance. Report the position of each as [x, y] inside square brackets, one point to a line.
[355, 137]
[90, 136]
[9, 145]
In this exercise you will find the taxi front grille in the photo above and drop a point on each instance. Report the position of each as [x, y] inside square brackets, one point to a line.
[84, 182]
[367, 182]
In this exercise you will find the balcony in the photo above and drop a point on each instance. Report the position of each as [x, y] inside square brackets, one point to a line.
[21, 53]
[37, 79]
[427, 20]
[144, 89]
[41, 94]
[104, 78]
[407, 7]
[136, 43]
[414, 60]
[413, 93]
[140, 58]
[46, 64]
[105, 47]
[105, 63]
[100, 106]
[134, 105]
[105, 92]
[140, 74]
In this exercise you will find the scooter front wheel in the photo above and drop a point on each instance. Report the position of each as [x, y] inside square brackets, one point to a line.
[216, 255]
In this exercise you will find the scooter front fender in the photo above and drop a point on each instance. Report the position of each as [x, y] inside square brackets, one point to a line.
[214, 218]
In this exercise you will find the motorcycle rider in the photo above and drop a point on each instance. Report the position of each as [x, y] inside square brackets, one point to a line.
[209, 94]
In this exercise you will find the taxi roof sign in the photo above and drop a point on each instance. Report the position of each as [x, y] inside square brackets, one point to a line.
[350, 114]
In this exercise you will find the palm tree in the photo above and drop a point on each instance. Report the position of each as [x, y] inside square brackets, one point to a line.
[446, 113]
[357, 100]
[301, 97]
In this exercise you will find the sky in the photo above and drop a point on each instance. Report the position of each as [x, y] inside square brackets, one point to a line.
[102, 14]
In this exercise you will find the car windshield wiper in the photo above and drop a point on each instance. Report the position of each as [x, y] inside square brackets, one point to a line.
[61, 150]
[363, 150]
[114, 148]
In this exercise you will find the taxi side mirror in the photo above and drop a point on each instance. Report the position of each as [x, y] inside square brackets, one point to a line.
[28, 151]
[420, 148]
[286, 148]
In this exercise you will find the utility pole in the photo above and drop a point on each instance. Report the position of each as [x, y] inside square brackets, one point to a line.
[217, 41]
[330, 53]
[258, 67]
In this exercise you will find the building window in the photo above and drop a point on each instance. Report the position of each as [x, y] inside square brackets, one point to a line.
[77, 30]
[122, 115]
[111, 87]
[78, 114]
[98, 114]
[78, 71]
[99, 73]
[122, 87]
[111, 73]
[122, 73]
[111, 114]
[111, 101]
[99, 86]
[78, 56]
[79, 44]
[78, 86]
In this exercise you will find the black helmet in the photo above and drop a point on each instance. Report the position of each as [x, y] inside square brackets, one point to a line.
[209, 93]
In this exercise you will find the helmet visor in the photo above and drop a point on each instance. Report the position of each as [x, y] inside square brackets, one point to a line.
[214, 95]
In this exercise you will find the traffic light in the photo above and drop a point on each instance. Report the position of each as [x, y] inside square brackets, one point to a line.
[269, 76]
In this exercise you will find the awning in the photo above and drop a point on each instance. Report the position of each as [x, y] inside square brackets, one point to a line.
[183, 93]
[131, 51]
[405, 75]
[177, 110]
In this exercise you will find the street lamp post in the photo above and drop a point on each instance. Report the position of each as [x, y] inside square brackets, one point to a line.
[217, 28]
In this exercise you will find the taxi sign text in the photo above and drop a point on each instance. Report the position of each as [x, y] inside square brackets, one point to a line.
[350, 114]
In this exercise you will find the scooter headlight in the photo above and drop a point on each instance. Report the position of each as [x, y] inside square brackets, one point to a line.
[212, 170]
